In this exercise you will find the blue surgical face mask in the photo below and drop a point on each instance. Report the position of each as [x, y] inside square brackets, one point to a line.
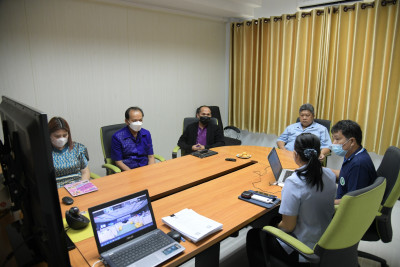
[338, 149]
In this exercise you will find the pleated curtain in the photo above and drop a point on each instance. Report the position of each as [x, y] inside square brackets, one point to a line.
[345, 61]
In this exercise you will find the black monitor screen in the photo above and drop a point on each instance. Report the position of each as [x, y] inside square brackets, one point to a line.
[27, 164]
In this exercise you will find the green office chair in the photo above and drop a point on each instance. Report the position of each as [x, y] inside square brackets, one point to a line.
[381, 228]
[94, 176]
[338, 245]
[106, 132]
[327, 124]
[187, 121]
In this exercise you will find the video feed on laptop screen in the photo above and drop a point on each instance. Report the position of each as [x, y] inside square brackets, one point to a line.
[122, 219]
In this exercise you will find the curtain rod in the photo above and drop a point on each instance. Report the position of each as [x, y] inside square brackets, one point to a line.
[318, 13]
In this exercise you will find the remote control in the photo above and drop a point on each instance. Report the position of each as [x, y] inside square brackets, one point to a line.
[262, 199]
[230, 159]
[265, 194]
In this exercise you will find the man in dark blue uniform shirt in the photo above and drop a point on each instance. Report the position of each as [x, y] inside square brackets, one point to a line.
[357, 170]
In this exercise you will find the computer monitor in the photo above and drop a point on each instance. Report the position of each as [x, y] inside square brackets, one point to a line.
[27, 165]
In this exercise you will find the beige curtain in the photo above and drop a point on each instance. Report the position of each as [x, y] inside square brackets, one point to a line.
[343, 61]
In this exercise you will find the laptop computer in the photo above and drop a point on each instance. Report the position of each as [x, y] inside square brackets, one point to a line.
[276, 167]
[126, 233]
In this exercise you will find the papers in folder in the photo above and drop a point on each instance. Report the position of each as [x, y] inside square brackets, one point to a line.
[192, 225]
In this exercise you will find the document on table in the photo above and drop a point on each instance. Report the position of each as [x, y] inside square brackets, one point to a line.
[192, 225]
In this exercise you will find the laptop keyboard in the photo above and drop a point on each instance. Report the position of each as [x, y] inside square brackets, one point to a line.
[202, 154]
[140, 250]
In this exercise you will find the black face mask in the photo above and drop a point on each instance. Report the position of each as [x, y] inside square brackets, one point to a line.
[205, 120]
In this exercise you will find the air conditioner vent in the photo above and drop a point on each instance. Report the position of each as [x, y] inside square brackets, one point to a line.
[310, 4]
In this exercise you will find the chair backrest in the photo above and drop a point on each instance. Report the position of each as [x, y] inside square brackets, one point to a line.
[326, 123]
[106, 132]
[229, 141]
[389, 168]
[355, 213]
[216, 114]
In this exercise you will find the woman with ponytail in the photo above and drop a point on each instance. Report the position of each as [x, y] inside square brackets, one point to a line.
[307, 206]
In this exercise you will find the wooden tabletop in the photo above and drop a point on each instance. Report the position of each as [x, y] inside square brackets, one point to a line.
[160, 179]
[216, 199]
[259, 154]
[213, 198]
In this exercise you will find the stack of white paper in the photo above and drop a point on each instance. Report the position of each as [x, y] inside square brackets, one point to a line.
[192, 225]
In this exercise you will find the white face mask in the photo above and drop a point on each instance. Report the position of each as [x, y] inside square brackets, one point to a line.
[136, 126]
[59, 142]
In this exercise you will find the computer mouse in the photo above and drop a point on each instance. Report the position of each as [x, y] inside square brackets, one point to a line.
[67, 200]
[175, 235]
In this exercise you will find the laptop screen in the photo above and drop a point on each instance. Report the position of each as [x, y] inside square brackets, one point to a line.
[275, 163]
[121, 220]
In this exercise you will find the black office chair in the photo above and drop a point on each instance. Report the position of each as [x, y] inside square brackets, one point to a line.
[187, 121]
[106, 133]
[231, 133]
[326, 123]
[381, 228]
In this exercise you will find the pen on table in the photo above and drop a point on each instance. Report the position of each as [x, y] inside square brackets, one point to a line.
[183, 239]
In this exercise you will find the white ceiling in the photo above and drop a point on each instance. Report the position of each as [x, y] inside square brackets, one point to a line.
[217, 9]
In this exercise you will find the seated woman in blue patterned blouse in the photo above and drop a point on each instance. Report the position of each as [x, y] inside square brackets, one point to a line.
[70, 158]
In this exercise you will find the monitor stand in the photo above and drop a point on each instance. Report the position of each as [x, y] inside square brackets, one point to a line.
[23, 255]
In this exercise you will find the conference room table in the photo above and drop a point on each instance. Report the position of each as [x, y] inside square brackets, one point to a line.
[210, 186]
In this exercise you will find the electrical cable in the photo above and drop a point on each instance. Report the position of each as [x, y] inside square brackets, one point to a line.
[94, 264]
[260, 175]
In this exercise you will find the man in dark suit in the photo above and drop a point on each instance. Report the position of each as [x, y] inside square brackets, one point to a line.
[201, 135]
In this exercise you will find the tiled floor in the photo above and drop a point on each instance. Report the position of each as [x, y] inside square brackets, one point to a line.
[233, 250]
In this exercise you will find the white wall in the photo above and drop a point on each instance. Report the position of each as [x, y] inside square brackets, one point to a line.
[271, 8]
[88, 62]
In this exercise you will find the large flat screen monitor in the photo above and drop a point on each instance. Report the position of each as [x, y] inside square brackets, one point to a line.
[27, 165]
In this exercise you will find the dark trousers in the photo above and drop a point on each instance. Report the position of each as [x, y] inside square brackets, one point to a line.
[255, 253]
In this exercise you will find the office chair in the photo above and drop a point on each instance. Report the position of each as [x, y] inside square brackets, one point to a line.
[338, 244]
[231, 133]
[327, 124]
[187, 121]
[92, 174]
[106, 133]
[381, 228]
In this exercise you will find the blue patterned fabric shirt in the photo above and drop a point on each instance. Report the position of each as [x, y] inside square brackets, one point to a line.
[68, 164]
[134, 152]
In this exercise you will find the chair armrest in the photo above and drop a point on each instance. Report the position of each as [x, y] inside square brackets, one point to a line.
[158, 157]
[232, 128]
[175, 152]
[94, 176]
[111, 167]
[382, 217]
[294, 243]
